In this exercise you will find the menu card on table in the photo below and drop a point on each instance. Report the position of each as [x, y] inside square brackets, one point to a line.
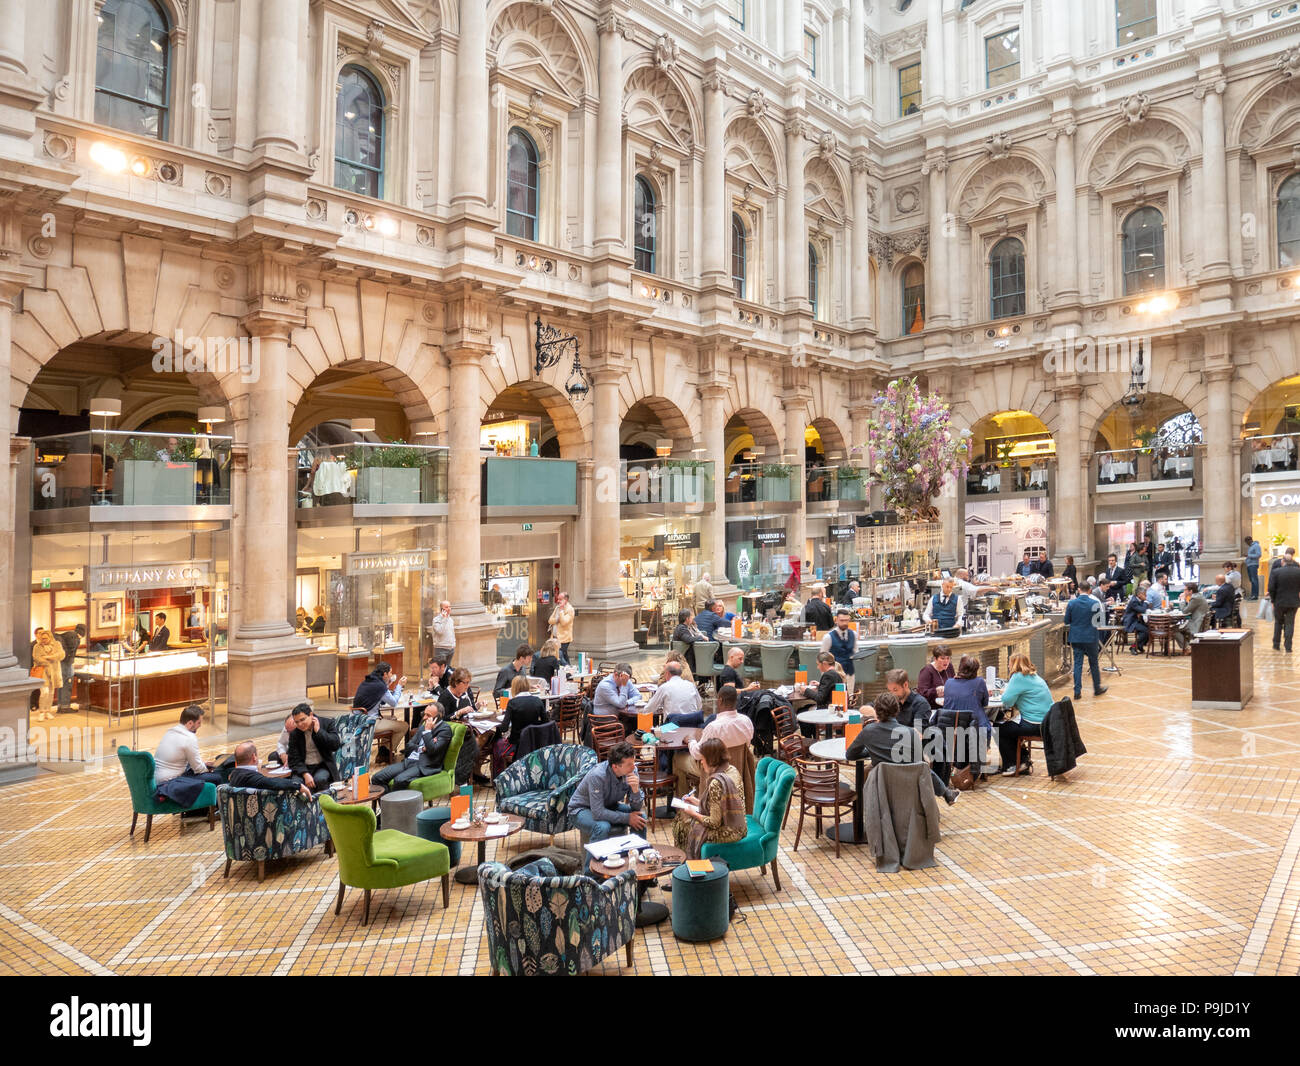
[801, 677]
[644, 722]
[459, 807]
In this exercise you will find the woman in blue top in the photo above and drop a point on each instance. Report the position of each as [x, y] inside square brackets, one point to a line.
[965, 698]
[1027, 693]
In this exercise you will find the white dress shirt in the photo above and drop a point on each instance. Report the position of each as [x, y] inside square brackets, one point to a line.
[178, 749]
[675, 696]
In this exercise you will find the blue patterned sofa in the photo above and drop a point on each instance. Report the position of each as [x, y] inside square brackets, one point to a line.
[357, 734]
[538, 787]
[259, 824]
[538, 926]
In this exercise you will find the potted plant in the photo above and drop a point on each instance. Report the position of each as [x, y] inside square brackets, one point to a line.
[774, 483]
[152, 473]
[390, 474]
[687, 481]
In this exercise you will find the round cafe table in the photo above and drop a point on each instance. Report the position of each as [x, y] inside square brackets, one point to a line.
[477, 833]
[834, 750]
[822, 717]
[647, 911]
[346, 799]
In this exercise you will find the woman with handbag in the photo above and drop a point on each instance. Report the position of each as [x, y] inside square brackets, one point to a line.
[47, 653]
[965, 699]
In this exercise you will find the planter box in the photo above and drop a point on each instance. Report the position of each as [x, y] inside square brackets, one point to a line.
[686, 486]
[389, 484]
[850, 490]
[153, 483]
[773, 489]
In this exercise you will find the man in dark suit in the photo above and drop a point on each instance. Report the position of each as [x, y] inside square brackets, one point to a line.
[817, 612]
[161, 635]
[1116, 575]
[425, 752]
[1284, 591]
[1045, 567]
[247, 773]
[1225, 599]
[312, 745]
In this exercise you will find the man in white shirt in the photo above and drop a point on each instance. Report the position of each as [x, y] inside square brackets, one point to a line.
[728, 725]
[965, 590]
[677, 698]
[178, 751]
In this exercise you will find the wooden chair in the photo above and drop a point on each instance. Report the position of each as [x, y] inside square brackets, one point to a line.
[786, 727]
[605, 735]
[1159, 630]
[855, 700]
[819, 787]
[606, 666]
[1025, 746]
[654, 783]
[568, 716]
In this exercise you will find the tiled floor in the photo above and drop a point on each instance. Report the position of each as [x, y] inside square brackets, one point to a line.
[1173, 848]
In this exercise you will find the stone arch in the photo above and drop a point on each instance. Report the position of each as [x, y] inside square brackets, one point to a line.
[1177, 386]
[563, 416]
[1273, 110]
[1159, 143]
[1264, 367]
[541, 43]
[1000, 185]
[511, 365]
[661, 382]
[751, 157]
[405, 391]
[824, 189]
[833, 438]
[670, 416]
[653, 99]
[767, 438]
[1003, 388]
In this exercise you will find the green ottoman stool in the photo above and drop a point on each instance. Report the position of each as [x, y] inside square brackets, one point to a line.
[428, 826]
[701, 908]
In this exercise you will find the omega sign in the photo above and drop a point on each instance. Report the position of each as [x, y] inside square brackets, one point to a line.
[385, 562]
[159, 576]
[1279, 501]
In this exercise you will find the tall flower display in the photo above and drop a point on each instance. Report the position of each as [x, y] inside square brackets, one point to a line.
[914, 449]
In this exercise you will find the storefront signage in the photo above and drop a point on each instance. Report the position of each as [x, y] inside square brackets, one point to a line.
[676, 540]
[385, 562]
[843, 532]
[528, 527]
[1278, 501]
[770, 538]
[157, 576]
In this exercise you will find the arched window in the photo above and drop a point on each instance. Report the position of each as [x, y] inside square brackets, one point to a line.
[359, 134]
[812, 280]
[739, 258]
[644, 241]
[1143, 244]
[914, 299]
[521, 186]
[1288, 222]
[131, 68]
[1007, 279]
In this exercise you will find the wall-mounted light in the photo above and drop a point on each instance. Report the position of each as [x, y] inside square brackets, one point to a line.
[107, 157]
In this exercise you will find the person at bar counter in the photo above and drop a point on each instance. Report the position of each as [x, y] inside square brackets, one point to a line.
[561, 623]
[710, 620]
[1026, 567]
[1083, 615]
[161, 634]
[1158, 592]
[733, 673]
[842, 642]
[935, 673]
[515, 668]
[312, 745]
[523, 709]
[247, 773]
[1284, 591]
[1070, 573]
[889, 740]
[677, 698]
[610, 795]
[376, 696]
[426, 752]
[945, 610]
[819, 694]
[817, 612]
[1028, 694]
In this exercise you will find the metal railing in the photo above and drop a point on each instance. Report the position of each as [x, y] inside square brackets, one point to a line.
[845, 483]
[762, 483]
[1265, 454]
[528, 481]
[1147, 465]
[1010, 475]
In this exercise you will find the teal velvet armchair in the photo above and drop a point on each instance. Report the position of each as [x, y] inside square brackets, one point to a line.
[773, 784]
[138, 769]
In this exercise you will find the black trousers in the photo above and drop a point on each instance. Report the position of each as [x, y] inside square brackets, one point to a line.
[1283, 626]
[1009, 734]
[401, 773]
[320, 776]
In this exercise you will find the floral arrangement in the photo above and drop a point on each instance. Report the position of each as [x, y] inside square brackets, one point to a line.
[914, 449]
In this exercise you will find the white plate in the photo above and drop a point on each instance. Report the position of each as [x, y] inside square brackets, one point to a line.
[613, 862]
[460, 825]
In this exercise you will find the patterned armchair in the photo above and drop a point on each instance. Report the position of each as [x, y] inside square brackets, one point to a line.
[538, 787]
[357, 733]
[259, 824]
[538, 926]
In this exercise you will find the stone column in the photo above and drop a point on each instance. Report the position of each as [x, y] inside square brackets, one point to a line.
[796, 421]
[796, 237]
[13, 41]
[936, 279]
[1070, 494]
[860, 237]
[609, 134]
[476, 630]
[1067, 278]
[267, 659]
[19, 93]
[604, 619]
[1222, 490]
[15, 686]
[470, 167]
[857, 50]
[716, 220]
[277, 75]
[792, 28]
[713, 396]
[932, 73]
[1213, 222]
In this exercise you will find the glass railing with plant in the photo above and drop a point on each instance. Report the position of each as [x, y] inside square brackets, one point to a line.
[396, 453]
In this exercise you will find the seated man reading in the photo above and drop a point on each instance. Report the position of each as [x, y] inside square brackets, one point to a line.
[610, 795]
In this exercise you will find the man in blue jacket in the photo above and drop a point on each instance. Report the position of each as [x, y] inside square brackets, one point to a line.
[1082, 616]
[1254, 552]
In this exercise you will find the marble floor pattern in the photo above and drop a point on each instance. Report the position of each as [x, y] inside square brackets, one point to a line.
[1173, 848]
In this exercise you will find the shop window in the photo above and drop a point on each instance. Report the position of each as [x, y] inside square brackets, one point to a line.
[131, 68]
[521, 186]
[1007, 279]
[1143, 246]
[359, 134]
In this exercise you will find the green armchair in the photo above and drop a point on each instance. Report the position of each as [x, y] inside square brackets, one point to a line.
[443, 784]
[773, 784]
[371, 860]
[138, 769]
